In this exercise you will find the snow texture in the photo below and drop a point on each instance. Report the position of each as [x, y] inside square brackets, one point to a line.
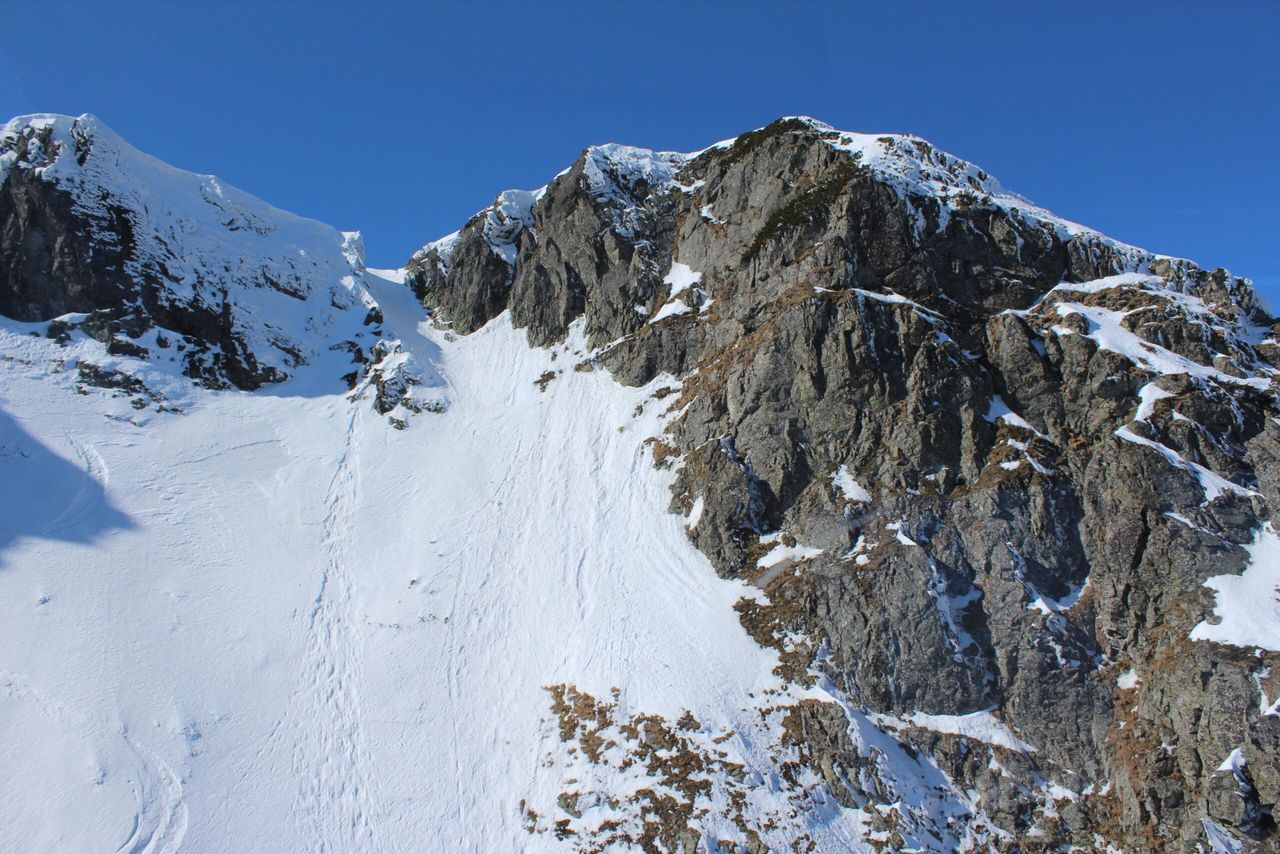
[786, 555]
[1107, 331]
[980, 726]
[621, 176]
[680, 279]
[277, 623]
[1247, 610]
[1128, 680]
[849, 488]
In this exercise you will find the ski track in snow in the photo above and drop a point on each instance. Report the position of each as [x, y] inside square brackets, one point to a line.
[164, 787]
[330, 760]
[81, 504]
[159, 822]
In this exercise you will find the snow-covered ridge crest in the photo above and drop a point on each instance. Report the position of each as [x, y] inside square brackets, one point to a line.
[924, 175]
[911, 163]
[620, 176]
[98, 153]
[917, 169]
[280, 288]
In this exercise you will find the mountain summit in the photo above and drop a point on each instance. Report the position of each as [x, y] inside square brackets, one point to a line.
[808, 492]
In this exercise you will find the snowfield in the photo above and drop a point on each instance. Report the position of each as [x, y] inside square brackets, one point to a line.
[275, 622]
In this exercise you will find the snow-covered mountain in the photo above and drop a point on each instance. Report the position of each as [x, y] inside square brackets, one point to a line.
[808, 492]
[155, 258]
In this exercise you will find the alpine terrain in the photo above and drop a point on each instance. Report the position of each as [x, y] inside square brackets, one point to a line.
[811, 492]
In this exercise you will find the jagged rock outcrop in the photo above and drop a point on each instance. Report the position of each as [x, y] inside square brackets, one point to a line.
[997, 454]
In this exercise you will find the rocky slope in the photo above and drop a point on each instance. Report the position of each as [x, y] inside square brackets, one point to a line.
[984, 462]
[995, 491]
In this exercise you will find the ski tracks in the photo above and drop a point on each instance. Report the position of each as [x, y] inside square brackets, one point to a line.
[160, 821]
[334, 805]
[163, 789]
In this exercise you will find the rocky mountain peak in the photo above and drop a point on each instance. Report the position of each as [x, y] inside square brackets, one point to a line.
[955, 437]
[995, 493]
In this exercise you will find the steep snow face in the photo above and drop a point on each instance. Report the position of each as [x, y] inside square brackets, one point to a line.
[285, 287]
[278, 623]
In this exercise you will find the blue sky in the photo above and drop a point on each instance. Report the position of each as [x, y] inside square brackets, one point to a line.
[1154, 122]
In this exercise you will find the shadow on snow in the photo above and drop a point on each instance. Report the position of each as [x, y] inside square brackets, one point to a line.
[44, 495]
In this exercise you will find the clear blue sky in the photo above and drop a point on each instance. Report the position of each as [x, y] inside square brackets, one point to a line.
[1154, 122]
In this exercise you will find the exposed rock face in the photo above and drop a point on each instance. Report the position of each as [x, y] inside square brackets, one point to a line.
[613, 230]
[148, 258]
[1020, 447]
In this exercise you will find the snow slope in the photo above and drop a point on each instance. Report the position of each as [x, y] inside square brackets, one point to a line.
[276, 620]
[277, 623]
